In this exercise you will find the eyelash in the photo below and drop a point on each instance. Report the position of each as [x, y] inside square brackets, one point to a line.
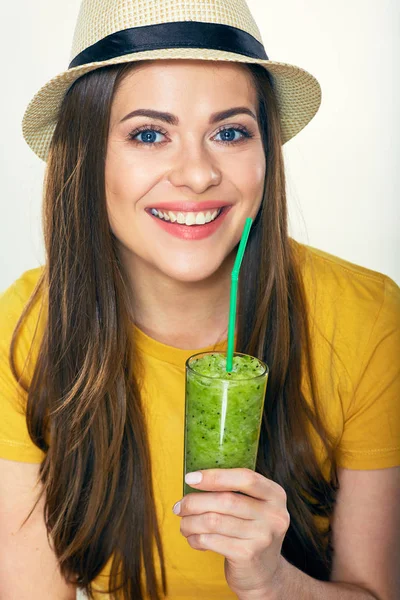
[132, 135]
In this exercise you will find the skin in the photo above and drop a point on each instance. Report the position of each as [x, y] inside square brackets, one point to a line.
[247, 529]
[168, 276]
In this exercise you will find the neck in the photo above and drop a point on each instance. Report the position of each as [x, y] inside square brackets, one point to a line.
[186, 315]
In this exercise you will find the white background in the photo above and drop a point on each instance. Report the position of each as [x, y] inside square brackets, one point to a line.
[342, 182]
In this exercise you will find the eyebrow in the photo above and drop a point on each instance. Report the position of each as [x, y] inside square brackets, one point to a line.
[173, 120]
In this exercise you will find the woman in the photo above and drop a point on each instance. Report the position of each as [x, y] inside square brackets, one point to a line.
[127, 294]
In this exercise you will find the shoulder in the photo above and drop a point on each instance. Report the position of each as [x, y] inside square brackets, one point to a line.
[22, 288]
[342, 286]
[328, 265]
[354, 313]
[12, 303]
[15, 441]
[14, 298]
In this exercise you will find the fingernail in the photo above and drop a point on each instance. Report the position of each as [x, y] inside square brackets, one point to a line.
[177, 508]
[195, 477]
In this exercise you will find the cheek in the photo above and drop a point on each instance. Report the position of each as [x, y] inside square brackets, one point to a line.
[128, 177]
[118, 177]
[120, 203]
[126, 185]
[249, 177]
[248, 167]
[123, 189]
[253, 185]
[258, 168]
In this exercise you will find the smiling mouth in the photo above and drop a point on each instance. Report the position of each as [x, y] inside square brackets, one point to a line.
[189, 219]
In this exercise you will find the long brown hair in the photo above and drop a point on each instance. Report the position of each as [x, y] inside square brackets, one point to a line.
[84, 392]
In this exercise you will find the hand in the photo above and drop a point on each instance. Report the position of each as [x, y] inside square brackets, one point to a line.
[247, 529]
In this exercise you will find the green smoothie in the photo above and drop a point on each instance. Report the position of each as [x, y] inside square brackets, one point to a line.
[223, 412]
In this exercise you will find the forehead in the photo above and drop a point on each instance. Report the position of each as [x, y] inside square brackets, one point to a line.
[191, 84]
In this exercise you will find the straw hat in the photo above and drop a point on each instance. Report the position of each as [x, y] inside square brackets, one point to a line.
[110, 32]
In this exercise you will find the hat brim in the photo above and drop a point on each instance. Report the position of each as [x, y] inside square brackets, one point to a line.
[298, 93]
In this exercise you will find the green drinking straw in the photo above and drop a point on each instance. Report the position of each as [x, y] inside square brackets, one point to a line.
[233, 300]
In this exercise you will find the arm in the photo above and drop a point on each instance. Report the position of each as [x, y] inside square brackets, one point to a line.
[28, 566]
[366, 525]
[296, 584]
[366, 519]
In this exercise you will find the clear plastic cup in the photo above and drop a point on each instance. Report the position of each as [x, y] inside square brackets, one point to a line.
[223, 412]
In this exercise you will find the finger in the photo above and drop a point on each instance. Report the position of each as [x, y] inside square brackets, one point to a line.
[232, 548]
[223, 524]
[227, 503]
[241, 480]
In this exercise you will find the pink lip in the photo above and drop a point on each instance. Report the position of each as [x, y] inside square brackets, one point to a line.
[191, 232]
[189, 206]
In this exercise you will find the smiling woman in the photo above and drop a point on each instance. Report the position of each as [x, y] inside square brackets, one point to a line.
[152, 168]
[182, 165]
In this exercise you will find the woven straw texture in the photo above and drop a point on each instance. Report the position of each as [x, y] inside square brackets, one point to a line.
[298, 93]
[98, 19]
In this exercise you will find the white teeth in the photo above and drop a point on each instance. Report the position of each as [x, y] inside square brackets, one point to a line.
[189, 218]
[200, 219]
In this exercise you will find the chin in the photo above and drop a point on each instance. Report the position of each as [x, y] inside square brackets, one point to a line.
[191, 274]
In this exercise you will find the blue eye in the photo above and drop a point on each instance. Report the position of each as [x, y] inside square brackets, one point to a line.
[146, 135]
[231, 130]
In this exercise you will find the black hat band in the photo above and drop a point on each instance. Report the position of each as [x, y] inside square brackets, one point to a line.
[181, 34]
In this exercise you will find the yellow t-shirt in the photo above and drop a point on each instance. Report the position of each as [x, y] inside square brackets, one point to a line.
[354, 309]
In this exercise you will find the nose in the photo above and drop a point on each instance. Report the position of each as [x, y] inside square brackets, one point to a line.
[196, 169]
